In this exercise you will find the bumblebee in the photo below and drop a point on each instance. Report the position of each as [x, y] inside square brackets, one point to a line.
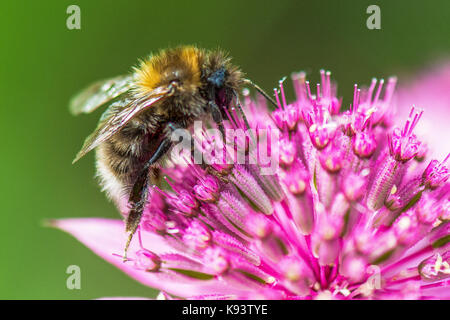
[169, 90]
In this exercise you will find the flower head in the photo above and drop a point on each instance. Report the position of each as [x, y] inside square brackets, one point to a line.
[355, 210]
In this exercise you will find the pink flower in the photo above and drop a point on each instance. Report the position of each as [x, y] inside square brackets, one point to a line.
[356, 210]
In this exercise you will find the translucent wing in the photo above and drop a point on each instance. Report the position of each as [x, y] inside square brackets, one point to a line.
[100, 93]
[118, 115]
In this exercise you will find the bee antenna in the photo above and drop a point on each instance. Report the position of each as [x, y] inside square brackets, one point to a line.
[261, 91]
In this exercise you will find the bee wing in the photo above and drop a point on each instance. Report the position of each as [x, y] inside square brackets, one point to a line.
[100, 93]
[118, 114]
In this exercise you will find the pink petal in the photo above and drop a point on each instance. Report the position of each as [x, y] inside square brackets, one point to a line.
[106, 237]
[431, 92]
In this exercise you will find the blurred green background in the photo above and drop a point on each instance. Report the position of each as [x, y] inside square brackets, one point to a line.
[43, 64]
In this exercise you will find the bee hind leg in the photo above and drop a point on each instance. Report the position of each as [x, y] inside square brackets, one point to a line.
[139, 193]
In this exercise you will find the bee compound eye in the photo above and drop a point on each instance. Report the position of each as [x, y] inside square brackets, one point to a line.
[217, 78]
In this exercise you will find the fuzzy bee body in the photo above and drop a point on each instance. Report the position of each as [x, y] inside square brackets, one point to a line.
[124, 155]
[169, 90]
[120, 159]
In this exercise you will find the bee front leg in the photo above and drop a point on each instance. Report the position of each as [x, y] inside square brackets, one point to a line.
[217, 117]
[139, 192]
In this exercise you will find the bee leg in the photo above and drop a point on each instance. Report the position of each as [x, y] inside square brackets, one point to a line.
[217, 117]
[137, 201]
[139, 193]
[156, 179]
[239, 106]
